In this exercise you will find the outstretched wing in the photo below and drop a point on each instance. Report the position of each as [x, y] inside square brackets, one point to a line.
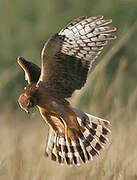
[32, 71]
[68, 55]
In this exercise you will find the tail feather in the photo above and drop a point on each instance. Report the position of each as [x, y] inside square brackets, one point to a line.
[59, 152]
[85, 156]
[50, 142]
[76, 157]
[88, 145]
[61, 147]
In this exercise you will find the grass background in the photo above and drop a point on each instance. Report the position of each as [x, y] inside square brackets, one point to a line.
[110, 92]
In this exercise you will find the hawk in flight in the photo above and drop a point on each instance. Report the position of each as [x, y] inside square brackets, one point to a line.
[74, 136]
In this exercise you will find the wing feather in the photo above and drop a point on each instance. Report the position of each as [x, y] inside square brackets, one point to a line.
[68, 55]
[31, 70]
[81, 36]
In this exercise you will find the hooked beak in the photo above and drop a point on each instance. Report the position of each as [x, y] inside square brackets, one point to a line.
[27, 111]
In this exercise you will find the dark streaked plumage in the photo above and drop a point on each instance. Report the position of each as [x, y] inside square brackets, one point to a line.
[74, 136]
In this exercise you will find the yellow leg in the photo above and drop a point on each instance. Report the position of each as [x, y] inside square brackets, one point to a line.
[55, 149]
[55, 146]
[66, 134]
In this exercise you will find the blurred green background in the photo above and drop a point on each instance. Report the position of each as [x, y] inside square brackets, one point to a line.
[110, 92]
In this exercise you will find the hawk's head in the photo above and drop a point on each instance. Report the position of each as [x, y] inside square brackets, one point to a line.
[28, 99]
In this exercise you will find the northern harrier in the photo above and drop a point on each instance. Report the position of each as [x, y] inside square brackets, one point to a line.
[74, 136]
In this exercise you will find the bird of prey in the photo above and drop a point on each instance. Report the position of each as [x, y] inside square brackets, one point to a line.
[74, 137]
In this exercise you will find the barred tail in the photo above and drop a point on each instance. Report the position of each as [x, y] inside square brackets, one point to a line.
[89, 145]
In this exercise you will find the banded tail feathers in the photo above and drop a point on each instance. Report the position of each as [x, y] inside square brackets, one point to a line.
[93, 140]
